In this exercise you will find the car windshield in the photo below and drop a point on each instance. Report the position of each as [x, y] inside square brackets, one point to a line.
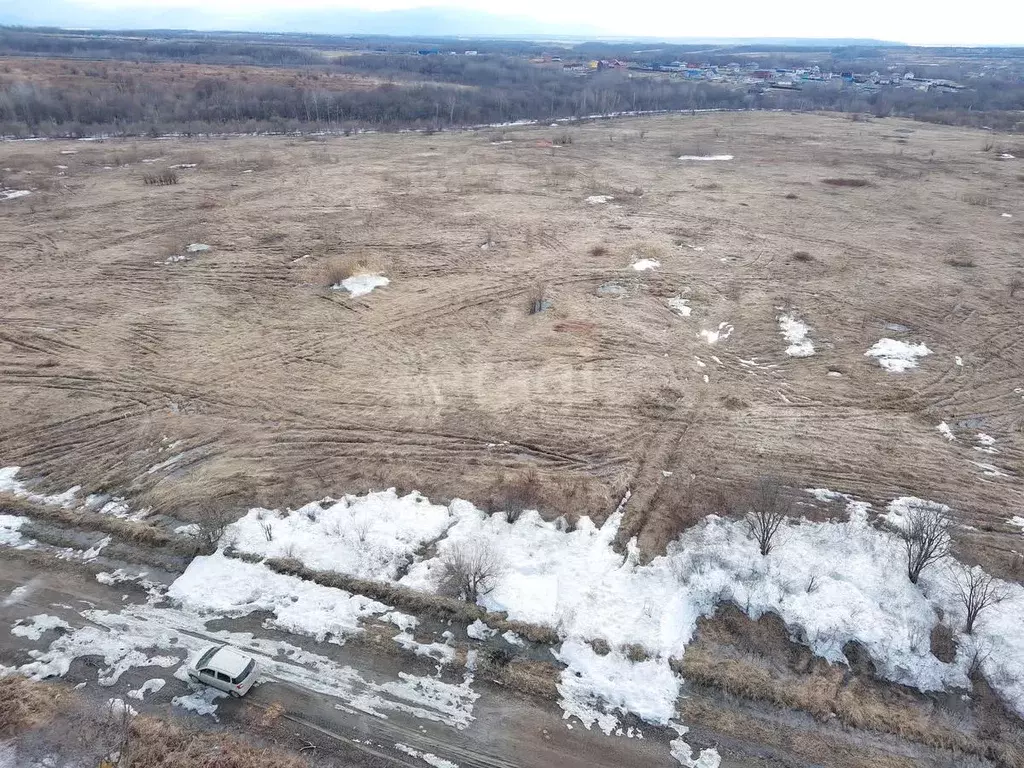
[206, 656]
[245, 672]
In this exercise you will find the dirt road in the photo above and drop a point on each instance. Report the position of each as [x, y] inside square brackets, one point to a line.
[504, 730]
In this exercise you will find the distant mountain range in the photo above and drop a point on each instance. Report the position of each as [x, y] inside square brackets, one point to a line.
[414, 22]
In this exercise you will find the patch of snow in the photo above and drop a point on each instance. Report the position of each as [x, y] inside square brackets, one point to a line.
[480, 631]
[989, 470]
[165, 464]
[946, 431]
[680, 306]
[959, 361]
[645, 264]
[795, 332]
[197, 247]
[1016, 520]
[153, 685]
[119, 707]
[705, 157]
[401, 620]
[201, 701]
[442, 652]
[360, 285]
[371, 536]
[512, 638]
[599, 199]
[427, 757]
[1007, 156]
[183, 165]
[683, 752]
[10, 526]
[713, 337]
[189, 529]
[598, 689]
[834, 374]
[228, 587]
[1007, 215]
[986, 443]
[35, 626]
[897, 356]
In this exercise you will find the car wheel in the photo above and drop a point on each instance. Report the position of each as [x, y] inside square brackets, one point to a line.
[234, 694]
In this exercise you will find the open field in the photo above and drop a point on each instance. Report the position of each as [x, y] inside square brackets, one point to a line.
[276, 389]
[637, 315]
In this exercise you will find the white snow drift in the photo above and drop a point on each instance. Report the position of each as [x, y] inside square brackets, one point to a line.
[360, 285]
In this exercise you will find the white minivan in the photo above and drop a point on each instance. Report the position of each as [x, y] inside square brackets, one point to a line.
[221, 666]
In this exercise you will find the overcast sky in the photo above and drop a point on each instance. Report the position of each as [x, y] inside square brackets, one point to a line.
[923, 22]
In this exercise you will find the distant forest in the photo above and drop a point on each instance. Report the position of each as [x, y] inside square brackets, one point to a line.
[437, 91]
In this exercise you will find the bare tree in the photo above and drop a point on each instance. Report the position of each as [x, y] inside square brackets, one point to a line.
[211, 529]
[764, 509]
[468, 571]
[977, 591]
[924, 531]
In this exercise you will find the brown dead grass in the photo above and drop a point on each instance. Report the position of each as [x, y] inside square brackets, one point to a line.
[25, 704]
[129, 531]
[847, 182]
[756, 661]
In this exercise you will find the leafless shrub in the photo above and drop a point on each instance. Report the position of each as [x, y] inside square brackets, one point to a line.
[163, 178]
[339, 269]
[976, 661]
[733, 403]
[600, 646]
[598, 251]
[802, 256]
[764, 509]
[924, 531]
[468, 571]
[986, 145]
[636, 652]
[211, 529]
[538, 299]
[512, 495]
[975, 198]
[268, 531]
[838, 182]
[977, 591]
[563, 140]
[1016, 283]
[961, 261]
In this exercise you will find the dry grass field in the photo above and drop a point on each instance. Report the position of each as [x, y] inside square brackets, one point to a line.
[277, 389]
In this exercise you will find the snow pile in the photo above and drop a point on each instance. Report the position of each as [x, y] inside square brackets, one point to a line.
[594, 688]
[642, 265]
[360, 285]
[680, 306]
[599, 199]
[795, 333]
[831, 582]
[705, 157]
[683, 753]
[945, 431]
[13, 194]
[480, 631]
[34, 626]
[197, 247]
[897, 356]
[370, 536]
[221, 585]
[713, 337]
